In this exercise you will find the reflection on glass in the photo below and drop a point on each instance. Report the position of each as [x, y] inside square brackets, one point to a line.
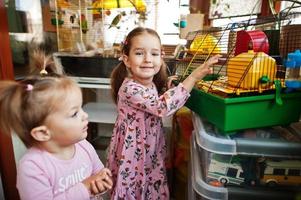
[25, 27]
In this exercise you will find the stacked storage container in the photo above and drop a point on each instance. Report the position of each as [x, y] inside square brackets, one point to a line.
[241, 166]
[235, 158]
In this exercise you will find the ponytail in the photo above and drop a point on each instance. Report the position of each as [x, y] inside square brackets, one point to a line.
[117, 77]
[26, 104]
[43, 64]
[12, 96]
[160, 79]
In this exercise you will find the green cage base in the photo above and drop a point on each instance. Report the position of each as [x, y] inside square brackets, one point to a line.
[232, 114]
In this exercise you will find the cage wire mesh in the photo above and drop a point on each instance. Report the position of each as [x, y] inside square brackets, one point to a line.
[252, 54]
[84, 24]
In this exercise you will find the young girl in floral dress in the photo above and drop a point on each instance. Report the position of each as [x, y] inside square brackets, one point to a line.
[138, 149]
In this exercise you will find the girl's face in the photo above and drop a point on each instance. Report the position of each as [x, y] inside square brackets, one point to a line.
[144, 60]
[68, 124]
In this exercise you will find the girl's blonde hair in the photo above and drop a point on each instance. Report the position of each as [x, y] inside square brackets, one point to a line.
[26, 104]
[120, 72]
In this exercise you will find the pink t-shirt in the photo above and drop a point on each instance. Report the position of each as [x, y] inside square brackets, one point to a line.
[42, 176]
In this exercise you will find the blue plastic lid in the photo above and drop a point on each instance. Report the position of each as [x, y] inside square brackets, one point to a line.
[293, 83]
[289, 63]
[296, 56]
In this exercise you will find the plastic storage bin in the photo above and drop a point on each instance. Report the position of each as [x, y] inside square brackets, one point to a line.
[232, 114]
[208, 147]
[209, 138]
[200, 189]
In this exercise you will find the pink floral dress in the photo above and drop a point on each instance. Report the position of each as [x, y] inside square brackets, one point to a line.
[138, 150]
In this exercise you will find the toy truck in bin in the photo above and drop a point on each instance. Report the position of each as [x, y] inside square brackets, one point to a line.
[283, 172]
[225, 170]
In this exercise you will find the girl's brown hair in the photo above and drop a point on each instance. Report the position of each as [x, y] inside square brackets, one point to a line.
[120, 72]
[26, 104]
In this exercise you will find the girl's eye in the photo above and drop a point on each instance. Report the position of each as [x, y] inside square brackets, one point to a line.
[74, 114]
[138, 53]
[155, 54]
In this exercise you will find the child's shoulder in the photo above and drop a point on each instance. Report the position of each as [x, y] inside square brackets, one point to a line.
[85, 145]
[33, 156]
[32, 153]
[128, 82]
[132, 84]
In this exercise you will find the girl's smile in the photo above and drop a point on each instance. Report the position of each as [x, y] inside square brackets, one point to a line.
[144, 60]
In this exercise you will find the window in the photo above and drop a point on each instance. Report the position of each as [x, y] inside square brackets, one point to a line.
[165, 20]
[224, 21]
[158, 17]
[291, 7]
[233, 8]
[241, 175]
[232, 172]
[293, 172]
[25, 24]
[279, 171]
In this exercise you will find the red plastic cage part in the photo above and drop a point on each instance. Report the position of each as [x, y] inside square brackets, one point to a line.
[251, 40]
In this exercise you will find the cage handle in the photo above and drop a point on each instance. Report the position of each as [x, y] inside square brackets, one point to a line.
[278, 98]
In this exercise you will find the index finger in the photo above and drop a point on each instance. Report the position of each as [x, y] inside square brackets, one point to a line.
[214, 59]
[107, 171]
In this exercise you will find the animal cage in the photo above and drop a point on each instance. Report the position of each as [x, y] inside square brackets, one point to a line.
[96, 24]
[247, 87]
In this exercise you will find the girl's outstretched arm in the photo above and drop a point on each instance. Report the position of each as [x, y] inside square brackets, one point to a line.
[200, 72]
[137, 96]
